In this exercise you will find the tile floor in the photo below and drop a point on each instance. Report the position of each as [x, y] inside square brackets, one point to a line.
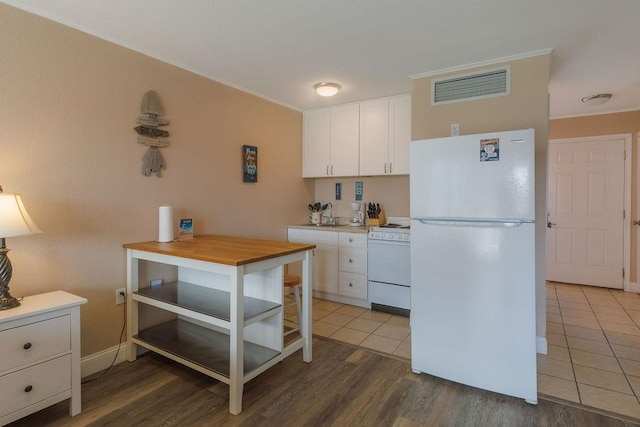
[593, 357]
[382, 332]
[593, 338]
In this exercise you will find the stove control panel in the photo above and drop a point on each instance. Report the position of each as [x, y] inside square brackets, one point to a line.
[395, 235]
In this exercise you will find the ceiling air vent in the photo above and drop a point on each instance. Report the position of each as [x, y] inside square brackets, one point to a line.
[467, 87]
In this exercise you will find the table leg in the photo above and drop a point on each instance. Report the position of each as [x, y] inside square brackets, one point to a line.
[305, 328]
[236, 337]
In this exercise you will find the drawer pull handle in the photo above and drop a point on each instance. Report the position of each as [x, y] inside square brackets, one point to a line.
[28, 388]
[27, 346]
[351, 285]
[351, 239]
[350, 260]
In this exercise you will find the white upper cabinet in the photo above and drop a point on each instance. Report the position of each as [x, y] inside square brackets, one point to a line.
[369, 138]
[344, 140]
[316, 146]
[374, 137]
[385, 133]
[331, 141]
[399, 134]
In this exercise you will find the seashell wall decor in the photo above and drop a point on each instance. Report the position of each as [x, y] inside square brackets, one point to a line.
[150, 135]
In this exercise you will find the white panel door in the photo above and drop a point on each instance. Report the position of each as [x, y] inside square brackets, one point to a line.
[585, 237]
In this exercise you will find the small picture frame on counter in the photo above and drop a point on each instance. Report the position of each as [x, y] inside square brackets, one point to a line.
[186, 229]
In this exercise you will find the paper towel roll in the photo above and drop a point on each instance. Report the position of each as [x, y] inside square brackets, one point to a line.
[165, 224]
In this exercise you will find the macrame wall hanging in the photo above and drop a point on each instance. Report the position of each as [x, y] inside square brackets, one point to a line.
[150, 134]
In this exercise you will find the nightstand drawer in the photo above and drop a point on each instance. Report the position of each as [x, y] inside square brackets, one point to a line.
[35, 384]
[35, 341]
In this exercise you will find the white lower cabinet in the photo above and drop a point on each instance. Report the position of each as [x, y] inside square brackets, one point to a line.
[339, 264]
[40, 355]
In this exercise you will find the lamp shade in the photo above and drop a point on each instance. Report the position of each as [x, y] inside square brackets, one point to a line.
[14, 219]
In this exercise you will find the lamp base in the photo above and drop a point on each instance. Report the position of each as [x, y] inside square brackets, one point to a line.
[7, 301]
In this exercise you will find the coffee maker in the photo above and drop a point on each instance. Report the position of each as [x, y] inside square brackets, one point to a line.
[357, 216]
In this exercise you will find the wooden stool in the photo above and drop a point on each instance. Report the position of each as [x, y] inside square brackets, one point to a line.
[293, 281]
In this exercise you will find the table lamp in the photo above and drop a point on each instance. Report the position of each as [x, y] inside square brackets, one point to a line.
[14, 221]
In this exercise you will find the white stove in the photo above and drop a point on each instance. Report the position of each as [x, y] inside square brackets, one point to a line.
[389, 271]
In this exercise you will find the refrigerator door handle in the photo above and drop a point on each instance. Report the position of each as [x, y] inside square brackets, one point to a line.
[472, 222]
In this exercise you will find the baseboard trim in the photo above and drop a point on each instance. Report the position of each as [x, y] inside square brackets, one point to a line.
[101, 360]
[633, 287]
[541, 345]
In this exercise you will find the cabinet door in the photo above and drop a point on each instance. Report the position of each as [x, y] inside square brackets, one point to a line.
[325, 268]
[316, 143]
[399, 134]
[345, 130]
[325, 257]
[374, 137]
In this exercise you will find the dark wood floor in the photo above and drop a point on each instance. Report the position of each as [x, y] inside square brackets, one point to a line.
[343, 386]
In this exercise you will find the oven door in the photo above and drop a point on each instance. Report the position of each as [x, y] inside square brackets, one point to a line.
[389, 262]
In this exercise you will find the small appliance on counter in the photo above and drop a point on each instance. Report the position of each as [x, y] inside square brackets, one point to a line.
[357, 216]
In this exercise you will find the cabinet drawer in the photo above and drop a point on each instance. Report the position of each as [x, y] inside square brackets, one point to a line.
[353, 260]
[356, 240]
[29, 343]
[35, 384]
[353, 285]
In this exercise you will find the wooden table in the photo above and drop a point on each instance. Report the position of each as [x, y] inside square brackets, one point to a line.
[219, 309]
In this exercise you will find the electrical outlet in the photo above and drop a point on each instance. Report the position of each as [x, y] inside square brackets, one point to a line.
[121, 296]
[155, 282]
[455, 129]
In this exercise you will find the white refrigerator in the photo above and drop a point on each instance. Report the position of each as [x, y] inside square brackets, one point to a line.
[473, 318]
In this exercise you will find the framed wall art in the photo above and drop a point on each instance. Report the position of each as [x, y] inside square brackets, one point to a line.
[249, 163]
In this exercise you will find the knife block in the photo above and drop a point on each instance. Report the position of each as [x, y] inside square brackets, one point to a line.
[381, 220]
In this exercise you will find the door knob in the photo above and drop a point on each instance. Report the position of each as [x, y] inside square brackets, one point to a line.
[551, 224]
[636, 222]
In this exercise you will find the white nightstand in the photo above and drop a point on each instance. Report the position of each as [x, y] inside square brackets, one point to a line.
[40, 355]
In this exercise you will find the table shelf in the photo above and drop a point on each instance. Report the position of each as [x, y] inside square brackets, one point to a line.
[207, 301]
[202, 346]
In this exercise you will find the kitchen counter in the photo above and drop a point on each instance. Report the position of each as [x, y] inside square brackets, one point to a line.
[342, 228]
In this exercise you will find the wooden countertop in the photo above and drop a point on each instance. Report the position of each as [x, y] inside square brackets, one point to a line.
[223, 249]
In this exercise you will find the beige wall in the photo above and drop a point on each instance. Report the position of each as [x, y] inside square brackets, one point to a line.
[392, 192]
[68, 104]
[525, 107]
[609, 124]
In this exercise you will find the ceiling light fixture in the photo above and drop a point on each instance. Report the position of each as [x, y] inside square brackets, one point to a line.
[598, 99]
[326, 88]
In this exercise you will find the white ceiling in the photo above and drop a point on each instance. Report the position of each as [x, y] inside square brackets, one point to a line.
[278, 49]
